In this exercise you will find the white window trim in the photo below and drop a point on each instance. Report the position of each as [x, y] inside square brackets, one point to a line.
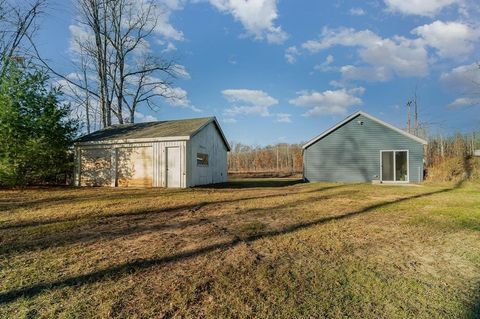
[394, 168]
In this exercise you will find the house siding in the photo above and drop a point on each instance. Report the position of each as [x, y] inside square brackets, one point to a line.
[351, 153]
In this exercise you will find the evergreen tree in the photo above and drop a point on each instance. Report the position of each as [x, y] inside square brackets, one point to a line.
[35, 129]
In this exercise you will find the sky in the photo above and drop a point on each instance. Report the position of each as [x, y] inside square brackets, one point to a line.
[284, 71]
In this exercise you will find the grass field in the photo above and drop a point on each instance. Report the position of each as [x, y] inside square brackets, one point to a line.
[252, 248]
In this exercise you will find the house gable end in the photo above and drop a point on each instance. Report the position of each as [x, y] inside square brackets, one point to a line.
[366, 115]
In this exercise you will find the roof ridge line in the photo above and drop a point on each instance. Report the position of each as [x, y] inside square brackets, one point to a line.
[371, 117]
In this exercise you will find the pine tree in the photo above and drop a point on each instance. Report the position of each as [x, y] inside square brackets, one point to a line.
[35, 129]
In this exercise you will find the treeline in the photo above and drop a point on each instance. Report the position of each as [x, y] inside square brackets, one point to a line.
[447, 158]
[283, 157]
[452, 157]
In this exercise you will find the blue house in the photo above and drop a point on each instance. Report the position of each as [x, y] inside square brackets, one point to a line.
[362, 148]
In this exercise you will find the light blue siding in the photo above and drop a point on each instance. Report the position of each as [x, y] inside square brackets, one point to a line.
[351, 153]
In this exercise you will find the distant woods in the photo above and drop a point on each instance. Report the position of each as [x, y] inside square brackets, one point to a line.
[447, 158]
[452, 158]
[280, 159]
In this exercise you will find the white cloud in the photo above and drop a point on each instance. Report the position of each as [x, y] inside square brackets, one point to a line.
[247, 101]
[384, 58]
[329, 59]
[255, 97]
[178, 97]
[357, 12]
[395, 56]
[169, 48]
[325, 66]
[79, 37]
[451, 39]
[337, 84]
[328, 102]
[291, 54]
[351, 72]
[418, 7]
[465, 78]
[161, 14]
[257, 17]
[284, 117]
[181, 71]
[464, 101]
[140, 117]
[342, 36]
[230, 120]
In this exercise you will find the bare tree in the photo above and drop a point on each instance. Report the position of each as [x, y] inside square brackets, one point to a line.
[17, 24]
[137, 75]
[116, 68]
[86, 103]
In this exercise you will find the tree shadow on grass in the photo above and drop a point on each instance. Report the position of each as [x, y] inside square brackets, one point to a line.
[141, 264]
[256, 183]
[194, 206]
[120, 193]
[475, 311]
[116, 194]
[108, 227]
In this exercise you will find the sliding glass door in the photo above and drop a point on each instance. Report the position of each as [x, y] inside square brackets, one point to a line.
[387, 166]
[394, 166]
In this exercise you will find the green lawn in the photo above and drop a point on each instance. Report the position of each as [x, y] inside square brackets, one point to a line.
[252, 248]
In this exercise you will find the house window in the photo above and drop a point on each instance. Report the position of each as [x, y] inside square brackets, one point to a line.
[202, 159]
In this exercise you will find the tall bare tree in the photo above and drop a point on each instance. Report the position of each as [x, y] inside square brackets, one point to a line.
[117, 71]
[17, 26]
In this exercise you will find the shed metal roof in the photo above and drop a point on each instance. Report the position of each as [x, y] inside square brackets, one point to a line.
[152, 130]
[354, 115]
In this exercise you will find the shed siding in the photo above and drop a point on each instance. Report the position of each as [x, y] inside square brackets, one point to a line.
[115, 162]
[351, 153]
[95, 167]
[134, 166]
[161, 168]
[207, 141]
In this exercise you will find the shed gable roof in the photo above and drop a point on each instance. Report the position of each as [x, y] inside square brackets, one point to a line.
[353, 116]
[152, 130]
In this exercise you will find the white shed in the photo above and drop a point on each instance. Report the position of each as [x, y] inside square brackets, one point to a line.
[179, 153]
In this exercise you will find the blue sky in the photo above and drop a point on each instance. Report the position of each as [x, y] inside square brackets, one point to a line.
[283, 71]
